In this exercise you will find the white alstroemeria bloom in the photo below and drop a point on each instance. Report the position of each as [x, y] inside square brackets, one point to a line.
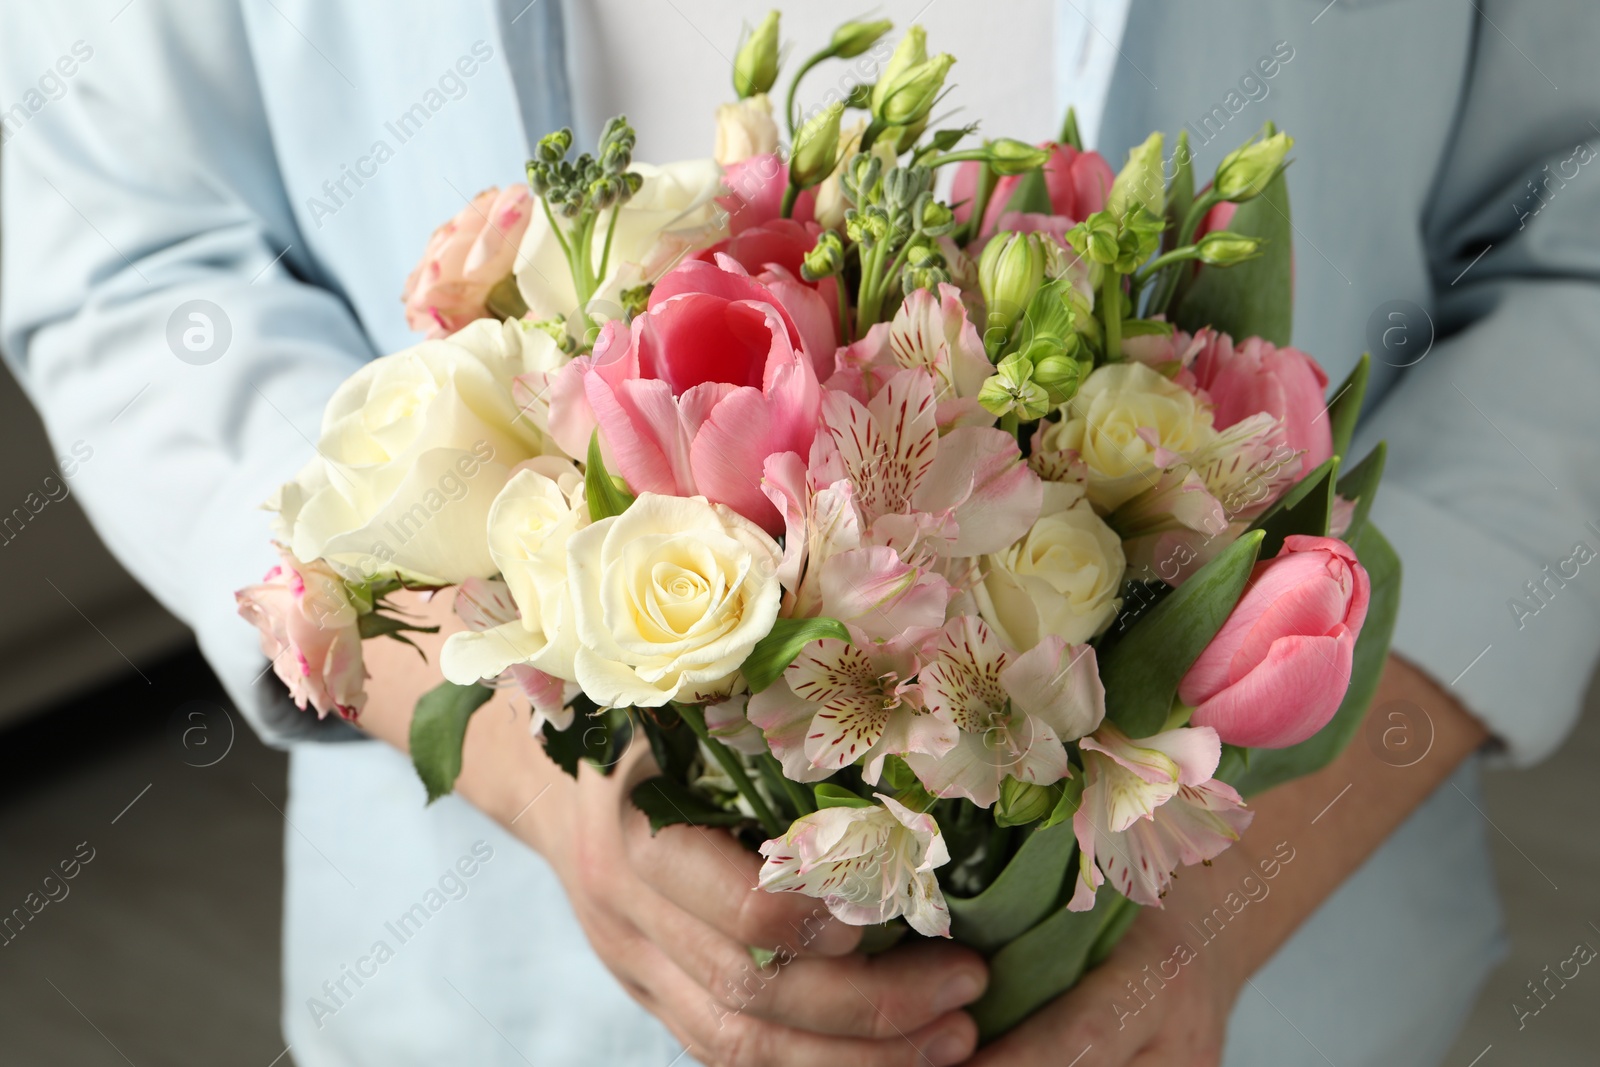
[868, 865]
[1014, 711]
[1149, 806]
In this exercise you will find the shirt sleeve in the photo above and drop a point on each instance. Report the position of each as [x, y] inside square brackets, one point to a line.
[160, 306]
[1492, 494]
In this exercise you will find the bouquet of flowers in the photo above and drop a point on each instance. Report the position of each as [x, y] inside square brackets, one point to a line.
[949, 514]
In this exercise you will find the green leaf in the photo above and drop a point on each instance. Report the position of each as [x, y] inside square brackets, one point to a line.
[1120, 913]
[598, 735]
[1180, 191]
[668, 802]
[1346, 405]
[605, 497]
[1270, 767]
[1019, 896]
[1141, 671]
[1040, 965]
[837, 796]
[1304, 509]
[376, 624]
[1254, 298]
[1069, 130]
[1361, 485]
[437, 727]
[1031, 195]
[672, 742]
[774, 652]
[1067, 806]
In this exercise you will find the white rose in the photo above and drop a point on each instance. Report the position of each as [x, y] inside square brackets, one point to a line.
[745, 129]
[414, 447]
[673, 213]
[1062, 578]
[530, 523]
[1120, 418]
[669, 598]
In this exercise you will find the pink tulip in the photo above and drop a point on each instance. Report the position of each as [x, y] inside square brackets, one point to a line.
[755, 193]
[1258, 376]
[773, 251]
[1278, 669]
[1077, 183]
[691, 399]
[309, 632]
[464, 259]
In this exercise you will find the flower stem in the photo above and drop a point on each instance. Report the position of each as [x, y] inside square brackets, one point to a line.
[696, 718]
[791, 116]
[1111, 302]
[790, 193]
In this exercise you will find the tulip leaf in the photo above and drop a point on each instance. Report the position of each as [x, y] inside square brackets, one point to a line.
[1270, 767]
[668, 802]
[774, 652]
[1361, 485]
[1041, 964]
[1031, 195]
[837, 796]
[437, 729]
[1345, 407]
[1120, 913]
[1305, 509]
[605, 497]
[1142, 670]
[1254, 298]
[1019, 896]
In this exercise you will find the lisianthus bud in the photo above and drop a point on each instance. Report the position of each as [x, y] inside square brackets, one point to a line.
[925, 269]
[755, 68]
[1141, 180]
[1224, 249]
[816, 148]
[1138, 238]
[911, 95]
[826, 259]
[1024, 802]
[1011, 389]
[1010, 271]
[1244, 173]
[636, 300]
[912, 49]
[1008, 156]
[853, 38]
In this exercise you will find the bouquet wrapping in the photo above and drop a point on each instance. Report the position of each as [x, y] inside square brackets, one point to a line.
[949, 514]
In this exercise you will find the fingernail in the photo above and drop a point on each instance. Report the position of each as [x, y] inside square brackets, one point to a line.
[958, 992]
[946, 1050]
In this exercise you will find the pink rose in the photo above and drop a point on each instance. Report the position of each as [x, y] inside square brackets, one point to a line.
[1258, 376]
[1078, 183]
[308, 629]
[692, 398]
[1278, 669]
[464, 259]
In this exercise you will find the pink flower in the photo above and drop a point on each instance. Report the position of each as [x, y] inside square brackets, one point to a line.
[1258, 376]
[464, 259]
[309, 632]
[1077, 183]
[755, 193]
[1278, 669]
[773, 252]
[692, 398]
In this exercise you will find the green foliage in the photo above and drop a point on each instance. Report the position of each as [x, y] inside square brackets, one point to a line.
[437, 729]
[1254, 298]
[774, 652]
[1361, 485]
[604, 496]
[1346, 405]
[1305, 509]
[668, 802]
[1019, 896]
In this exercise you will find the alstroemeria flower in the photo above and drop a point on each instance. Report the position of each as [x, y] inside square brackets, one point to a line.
[1014, 711]
[1149, 806]
[868, 865]
[485, 605]
[840, 702]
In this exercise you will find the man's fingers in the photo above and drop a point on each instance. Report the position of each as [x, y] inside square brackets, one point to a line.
[710, 875]
[1084, 1022]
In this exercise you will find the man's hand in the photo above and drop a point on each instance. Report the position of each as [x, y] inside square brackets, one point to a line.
[674, 915]
[1308, 835]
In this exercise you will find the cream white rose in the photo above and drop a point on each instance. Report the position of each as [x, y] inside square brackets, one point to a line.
[1062, 578]
[414, 448]
[1124, 414]
[530, 524]
[669, 598]
[745, 129]
[673, 213]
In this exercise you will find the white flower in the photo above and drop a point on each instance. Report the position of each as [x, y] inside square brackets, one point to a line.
[868, 865]
[673, 213]
[669, 598]
[745, 129]
[1060, 579]
[1128, 422]
[414, 448]
[530, 525]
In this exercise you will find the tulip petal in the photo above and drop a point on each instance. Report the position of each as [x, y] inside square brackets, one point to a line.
[1288, 697]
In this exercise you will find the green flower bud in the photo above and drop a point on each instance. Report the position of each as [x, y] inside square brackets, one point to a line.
[912, 49]
[911, 95]
[1008, 156]
[932, 217]
[816, 148]
[636, 300]
[867, 226]
[902, 186]
[755, 68]
[859, 97]
[1137, 239]
[1244, 173]
[556, 328]
[925, 268]
[1141, 181]
[1224, 249]
[1011, 389]
[853, 38]
[553, 147]
[860, 176]
[1095, 238]
[824, 260]
[1010, 271]
[1054, 369]
[1024, 802]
